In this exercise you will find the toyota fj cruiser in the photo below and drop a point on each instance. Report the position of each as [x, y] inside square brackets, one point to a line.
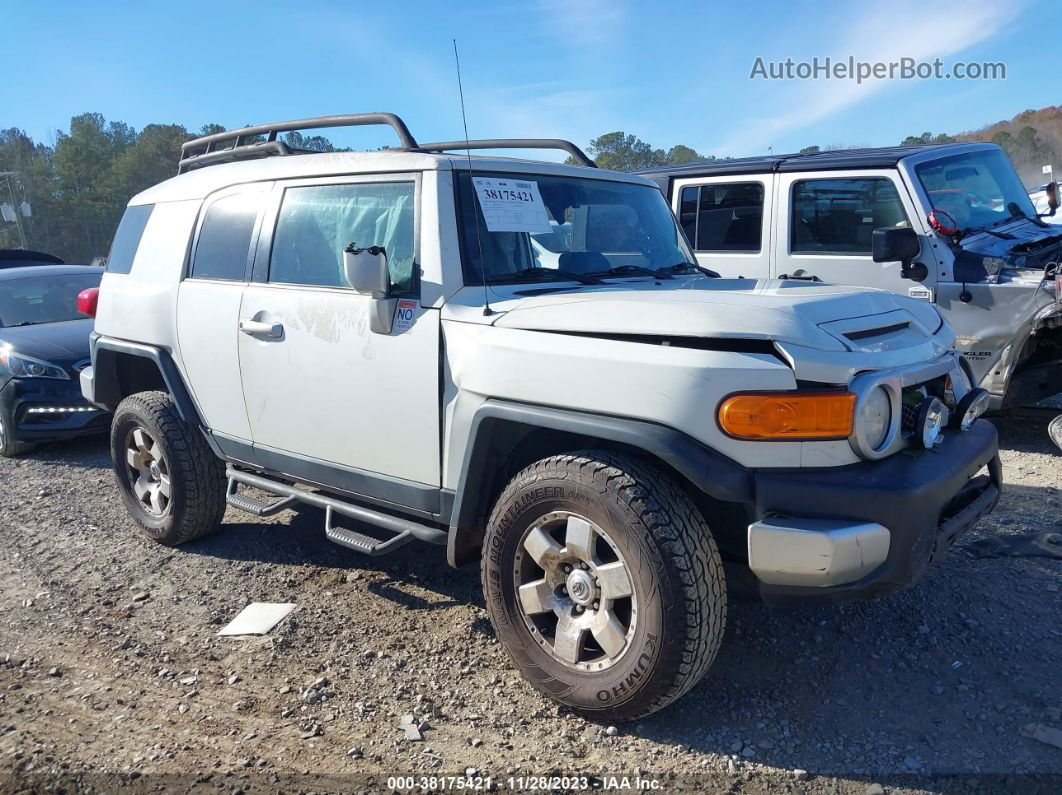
[949, 224]
[520, 361]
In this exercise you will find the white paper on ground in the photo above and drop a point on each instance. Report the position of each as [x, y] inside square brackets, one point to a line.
[512, 205]
[257, 618]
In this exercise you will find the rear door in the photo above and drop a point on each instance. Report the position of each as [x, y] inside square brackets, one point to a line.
[825, 223]
[326, 395]
[726, 220]
[208, 304]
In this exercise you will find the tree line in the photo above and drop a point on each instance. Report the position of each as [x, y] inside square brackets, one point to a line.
[70, 195]
[67, 197]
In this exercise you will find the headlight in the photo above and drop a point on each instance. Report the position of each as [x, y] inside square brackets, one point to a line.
[932, 417]
[973, 404]
[875, 417]
[27, 367]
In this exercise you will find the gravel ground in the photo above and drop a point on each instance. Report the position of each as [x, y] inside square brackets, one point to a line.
[110, 670]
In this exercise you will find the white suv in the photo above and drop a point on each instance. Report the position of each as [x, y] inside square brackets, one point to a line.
[608, 428]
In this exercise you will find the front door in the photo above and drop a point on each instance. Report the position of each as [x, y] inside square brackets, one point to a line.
[825, 224]
[327, 398]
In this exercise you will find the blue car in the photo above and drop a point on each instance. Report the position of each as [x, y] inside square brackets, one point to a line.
[44, 343]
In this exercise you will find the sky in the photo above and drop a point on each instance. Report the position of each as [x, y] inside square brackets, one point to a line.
[668, 72]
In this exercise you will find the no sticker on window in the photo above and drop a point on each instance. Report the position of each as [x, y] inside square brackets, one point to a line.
[512, 205]
[405, 312]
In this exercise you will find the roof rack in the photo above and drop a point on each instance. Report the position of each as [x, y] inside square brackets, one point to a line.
[514, 143]
[247, 143]
[204, 151]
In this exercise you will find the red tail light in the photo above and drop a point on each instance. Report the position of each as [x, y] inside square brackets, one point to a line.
[87, 300]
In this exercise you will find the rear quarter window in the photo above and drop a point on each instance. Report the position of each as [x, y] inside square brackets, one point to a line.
[127, 238]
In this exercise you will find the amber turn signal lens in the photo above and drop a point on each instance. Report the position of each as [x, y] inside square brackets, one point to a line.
[788, 416]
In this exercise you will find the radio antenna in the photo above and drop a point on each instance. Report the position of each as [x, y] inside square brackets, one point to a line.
[468, 153]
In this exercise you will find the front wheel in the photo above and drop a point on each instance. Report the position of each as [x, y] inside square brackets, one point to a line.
[171, 482]
[603, 583]
[9, 448]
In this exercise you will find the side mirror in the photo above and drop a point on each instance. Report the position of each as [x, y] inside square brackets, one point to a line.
[365, 270]
[1052, 197]
[892, 243]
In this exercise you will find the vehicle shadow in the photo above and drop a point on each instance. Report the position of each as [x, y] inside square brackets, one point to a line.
[297, 537]
[85, 452]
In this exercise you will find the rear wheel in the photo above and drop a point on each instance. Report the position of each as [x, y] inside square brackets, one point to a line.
[9, 448]
[603, 583]
[172, 483]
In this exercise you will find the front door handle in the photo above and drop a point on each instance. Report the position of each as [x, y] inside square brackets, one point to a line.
[256, 328]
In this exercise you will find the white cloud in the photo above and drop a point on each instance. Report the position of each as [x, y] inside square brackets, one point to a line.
[919, 30]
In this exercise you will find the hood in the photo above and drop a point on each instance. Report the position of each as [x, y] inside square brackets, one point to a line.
[60, 343]
[1017, 245]
[810, 314]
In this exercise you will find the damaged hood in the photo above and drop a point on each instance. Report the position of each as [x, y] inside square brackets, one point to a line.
[809, 314]
[1014, 246]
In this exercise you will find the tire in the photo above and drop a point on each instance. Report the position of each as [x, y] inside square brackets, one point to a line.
[672, 622]
[1054, 430]
[9, 448]
[154, 452]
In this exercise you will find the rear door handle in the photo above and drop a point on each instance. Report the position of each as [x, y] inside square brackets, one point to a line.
[256, 328]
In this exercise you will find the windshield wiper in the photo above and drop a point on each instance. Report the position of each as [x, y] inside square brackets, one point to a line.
[630, 270]
[554, 274]
[689, 267]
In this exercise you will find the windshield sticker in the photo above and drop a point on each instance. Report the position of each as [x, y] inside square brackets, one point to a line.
[511, 205]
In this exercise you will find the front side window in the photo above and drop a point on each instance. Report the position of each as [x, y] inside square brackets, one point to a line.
[127, 238]
[839, 216]
[43, 299]
[977, 189]
[596, 226]
[318, 222]
[225, 237]
[723, 217]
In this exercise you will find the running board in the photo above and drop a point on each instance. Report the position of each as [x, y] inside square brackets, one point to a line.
[251, 505]
[405, 530]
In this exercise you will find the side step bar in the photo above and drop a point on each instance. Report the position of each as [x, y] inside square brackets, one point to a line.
[405, 530]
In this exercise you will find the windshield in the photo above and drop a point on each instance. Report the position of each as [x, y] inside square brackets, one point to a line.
[595, 226]
[977, 189]
[43, 299]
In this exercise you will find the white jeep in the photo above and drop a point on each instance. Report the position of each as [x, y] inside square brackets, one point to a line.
[949, 224]
[377, 335]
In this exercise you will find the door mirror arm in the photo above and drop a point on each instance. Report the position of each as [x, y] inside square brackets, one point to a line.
[365, 270]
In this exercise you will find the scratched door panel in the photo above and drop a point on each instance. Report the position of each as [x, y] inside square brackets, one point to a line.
[331, 389]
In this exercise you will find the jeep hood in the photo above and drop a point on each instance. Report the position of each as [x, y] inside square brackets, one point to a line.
[813, 315]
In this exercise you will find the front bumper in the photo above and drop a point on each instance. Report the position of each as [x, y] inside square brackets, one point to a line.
[820, 532]
[32, 410]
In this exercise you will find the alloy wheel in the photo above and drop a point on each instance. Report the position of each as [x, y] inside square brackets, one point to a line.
[575, 591]
[149, 474]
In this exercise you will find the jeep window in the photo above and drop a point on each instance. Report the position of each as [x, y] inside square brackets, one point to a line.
[597, 225]
[723, 217]
[127, 238]
[43, 299]
[317, 222]
[225, 237]
[977, 189]
[839, 216]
